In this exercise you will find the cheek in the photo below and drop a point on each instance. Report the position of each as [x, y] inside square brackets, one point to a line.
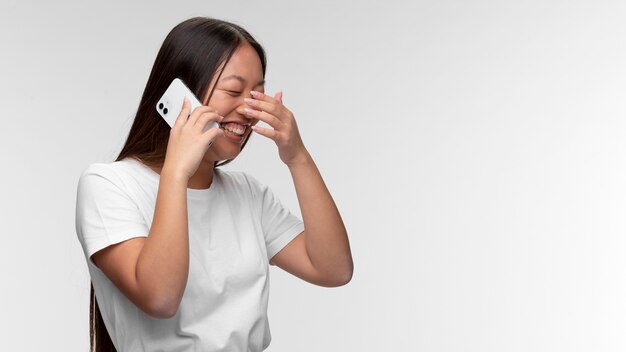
[225, 103]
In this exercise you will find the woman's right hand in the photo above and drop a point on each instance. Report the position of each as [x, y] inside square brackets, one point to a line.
[188, 142]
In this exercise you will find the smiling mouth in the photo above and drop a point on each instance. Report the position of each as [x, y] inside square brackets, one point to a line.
[234, 128]
[234, 131]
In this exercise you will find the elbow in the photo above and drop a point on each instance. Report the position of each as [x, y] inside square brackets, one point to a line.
[347, 274]
[346, 278]
[163, 313]
[162, 308]
[344, 275]
[158, 300]
[339, 279]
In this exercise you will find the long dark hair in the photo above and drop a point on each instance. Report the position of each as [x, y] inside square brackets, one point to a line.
[192, 51]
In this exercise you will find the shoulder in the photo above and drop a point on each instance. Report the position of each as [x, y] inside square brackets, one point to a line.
[97, 170]
[99, 175]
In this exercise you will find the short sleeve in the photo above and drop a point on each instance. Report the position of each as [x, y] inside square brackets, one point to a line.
[279, 225]
[105, 214]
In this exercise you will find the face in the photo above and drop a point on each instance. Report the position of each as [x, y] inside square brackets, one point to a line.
[242, 73]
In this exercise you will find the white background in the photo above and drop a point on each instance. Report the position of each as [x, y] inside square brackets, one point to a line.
[474, 148]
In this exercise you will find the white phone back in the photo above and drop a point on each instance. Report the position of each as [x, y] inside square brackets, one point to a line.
[171, 103]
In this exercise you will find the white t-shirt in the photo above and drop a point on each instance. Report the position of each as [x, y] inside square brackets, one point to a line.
[235, 227]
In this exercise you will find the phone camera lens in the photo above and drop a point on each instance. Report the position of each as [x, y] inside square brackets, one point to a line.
[165, 111]
[160, 105]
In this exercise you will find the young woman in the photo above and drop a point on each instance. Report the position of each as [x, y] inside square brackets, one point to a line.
[179, 250]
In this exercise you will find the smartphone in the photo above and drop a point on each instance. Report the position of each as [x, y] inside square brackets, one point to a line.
[171, 103]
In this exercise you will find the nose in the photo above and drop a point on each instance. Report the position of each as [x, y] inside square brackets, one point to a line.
[241, 105]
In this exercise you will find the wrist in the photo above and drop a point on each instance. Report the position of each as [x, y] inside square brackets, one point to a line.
[303, 159]
[175, 176]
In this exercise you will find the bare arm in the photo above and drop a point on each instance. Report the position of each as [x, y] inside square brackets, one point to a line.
[152, 272]
[320, 254]
[325, 238]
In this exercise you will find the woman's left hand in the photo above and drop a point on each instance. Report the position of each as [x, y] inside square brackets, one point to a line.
[285, 130]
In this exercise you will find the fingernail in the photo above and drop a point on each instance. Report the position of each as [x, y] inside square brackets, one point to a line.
[254, 93]
[248, 100]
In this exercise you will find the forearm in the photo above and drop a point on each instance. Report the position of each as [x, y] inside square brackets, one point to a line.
[326, 238]
[163, 264]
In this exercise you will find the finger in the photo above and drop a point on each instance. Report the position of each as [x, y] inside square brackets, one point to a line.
[279, 96]
[263, 116]
[197, 112]
[184, 113]
[267, 132]
[270, 107]
[207, 118]
[263, 97]
[212, 134]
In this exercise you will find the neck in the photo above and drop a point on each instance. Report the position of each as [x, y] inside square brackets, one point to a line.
[203, 177]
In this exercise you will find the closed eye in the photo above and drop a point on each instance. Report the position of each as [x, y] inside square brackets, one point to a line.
[232, 92]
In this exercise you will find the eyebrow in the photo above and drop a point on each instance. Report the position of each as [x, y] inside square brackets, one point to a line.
[242, 80]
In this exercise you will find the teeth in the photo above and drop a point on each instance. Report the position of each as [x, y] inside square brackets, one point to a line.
[234, 128]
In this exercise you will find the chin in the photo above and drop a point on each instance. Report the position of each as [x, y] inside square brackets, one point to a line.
[223, 150]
